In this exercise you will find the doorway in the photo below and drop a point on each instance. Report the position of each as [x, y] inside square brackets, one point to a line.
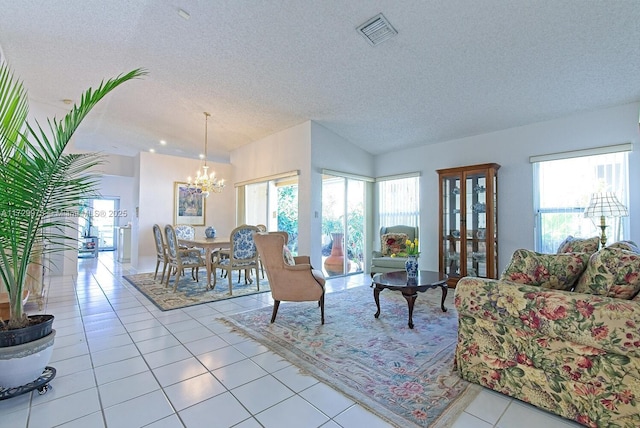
[101, 222]
[343, 225]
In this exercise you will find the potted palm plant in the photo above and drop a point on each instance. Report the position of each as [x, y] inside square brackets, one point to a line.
[40, 185]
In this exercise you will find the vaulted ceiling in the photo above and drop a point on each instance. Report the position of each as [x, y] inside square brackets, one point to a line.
[456, 68]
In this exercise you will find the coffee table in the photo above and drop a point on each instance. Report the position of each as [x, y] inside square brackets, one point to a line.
[397, 281]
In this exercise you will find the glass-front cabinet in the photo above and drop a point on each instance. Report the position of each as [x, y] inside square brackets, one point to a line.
[468, 222]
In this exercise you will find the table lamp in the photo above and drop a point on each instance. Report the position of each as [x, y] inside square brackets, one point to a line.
[605, 204]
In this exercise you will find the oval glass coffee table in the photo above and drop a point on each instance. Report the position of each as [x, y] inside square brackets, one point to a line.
[397, 281]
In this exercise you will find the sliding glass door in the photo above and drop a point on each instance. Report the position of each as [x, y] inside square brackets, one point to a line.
[273, 203]
[343, 225]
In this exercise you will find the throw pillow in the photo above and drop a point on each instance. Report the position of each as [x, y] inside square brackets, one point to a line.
[579, 245]
[611, 272]
[287, 256]
[554, 271]
[626, 245]
[393, 243]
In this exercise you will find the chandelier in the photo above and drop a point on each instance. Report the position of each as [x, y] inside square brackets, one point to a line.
[204, 182]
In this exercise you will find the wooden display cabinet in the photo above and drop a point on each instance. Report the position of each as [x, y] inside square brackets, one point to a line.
[468, 229]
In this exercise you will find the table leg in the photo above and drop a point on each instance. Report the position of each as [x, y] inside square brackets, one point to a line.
[411, 300]
[376, 297]
[445, 289]
[207, 253]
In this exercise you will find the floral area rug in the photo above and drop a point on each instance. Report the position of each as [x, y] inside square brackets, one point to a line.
[190, 292]
[405, 376]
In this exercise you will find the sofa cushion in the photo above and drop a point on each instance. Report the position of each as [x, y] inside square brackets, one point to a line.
[611, 272]
[389, 262]
[554, 271]
[393, 243]
[579, 245]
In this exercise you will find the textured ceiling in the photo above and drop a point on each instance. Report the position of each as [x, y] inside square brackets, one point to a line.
[456, 68]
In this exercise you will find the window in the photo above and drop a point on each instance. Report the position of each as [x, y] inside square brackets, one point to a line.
[399, 201]
[273, 202]
[564, 189]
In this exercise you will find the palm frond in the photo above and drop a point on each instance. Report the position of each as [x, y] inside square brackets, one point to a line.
[41, 187]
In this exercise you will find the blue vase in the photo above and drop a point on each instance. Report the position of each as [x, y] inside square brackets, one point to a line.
[411, 265]
[210, 232]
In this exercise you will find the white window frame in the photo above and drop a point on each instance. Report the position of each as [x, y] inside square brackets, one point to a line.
[618, 228]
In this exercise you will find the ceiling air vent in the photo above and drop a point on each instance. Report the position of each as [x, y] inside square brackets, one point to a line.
[377, 30]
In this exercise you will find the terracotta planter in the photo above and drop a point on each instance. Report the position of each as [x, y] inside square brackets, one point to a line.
[334, 264]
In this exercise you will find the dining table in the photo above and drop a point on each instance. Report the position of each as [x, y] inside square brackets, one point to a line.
[208, 245]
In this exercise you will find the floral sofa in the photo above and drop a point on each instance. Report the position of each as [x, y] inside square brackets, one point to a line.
[561, 332]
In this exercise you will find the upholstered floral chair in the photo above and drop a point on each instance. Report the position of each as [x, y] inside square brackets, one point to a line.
[161, 252]
[185, 231]
[242, 255]
[179, 260]
[392, 256]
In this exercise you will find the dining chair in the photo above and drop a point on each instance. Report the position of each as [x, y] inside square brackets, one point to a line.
[185, 231]
[242, 256]
[161, 252]
[261, 228]
[179, 260]
[290, 278]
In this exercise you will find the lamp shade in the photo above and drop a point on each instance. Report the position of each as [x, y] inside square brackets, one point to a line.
[605, 204]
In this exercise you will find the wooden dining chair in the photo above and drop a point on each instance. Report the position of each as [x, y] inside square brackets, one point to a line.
[161, 252]
[179, 260]
[242, 256]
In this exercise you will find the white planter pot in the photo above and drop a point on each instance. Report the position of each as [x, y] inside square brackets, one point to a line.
[22, 364]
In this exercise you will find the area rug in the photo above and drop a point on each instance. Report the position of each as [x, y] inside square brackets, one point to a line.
[190, 292]
[403, 375]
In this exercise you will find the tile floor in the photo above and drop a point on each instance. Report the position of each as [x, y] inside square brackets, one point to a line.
[121, 362]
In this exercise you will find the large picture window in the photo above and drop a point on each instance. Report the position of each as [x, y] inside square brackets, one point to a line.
[563, 189]
[399, 201]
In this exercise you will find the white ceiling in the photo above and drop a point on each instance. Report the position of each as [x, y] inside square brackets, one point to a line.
[456, 68]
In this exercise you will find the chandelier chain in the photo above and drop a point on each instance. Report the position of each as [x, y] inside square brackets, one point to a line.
[204, 182]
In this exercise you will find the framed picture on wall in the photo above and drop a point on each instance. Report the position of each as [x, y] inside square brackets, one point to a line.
[188, 205]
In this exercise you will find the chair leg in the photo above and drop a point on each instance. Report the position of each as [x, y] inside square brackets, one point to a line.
[229, 277]
[155, 274]
[168, 276]
[321, 304]
[164, 269]
[276, 303]
[257, 278]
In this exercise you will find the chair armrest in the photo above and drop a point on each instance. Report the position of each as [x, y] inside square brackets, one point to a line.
[302, 260]
[297, 267]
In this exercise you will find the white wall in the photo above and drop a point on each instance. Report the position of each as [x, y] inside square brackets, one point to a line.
[511, 148]
[281, 152]
[112, 186]
[157, 174]
[331, 151]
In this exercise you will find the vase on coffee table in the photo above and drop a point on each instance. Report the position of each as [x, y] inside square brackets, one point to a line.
[411, 265]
